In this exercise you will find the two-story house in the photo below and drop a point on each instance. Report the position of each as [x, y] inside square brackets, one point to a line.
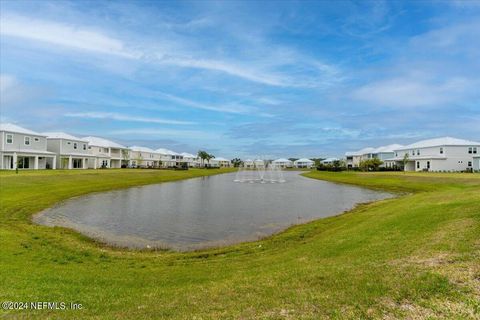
[24, 149]
[72, 152]
[440, 154]
[144, 157]
[108, 154]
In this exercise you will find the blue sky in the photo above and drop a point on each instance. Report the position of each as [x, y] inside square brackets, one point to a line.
[244, 79]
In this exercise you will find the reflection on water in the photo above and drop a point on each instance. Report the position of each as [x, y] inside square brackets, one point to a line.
[203, 212]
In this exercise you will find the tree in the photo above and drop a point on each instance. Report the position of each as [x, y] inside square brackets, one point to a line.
[202, 155]
[370, 164]
[237, 162]
[405, 161]
[125, 156]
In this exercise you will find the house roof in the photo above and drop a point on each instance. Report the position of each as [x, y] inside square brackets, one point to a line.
[330, 160]
[10, 127]
[142, 149]
[62, 135]
[303, 160]
[388, 148]
[221, 159]
[443, 141]
[360, 152]
[101, 142]
[167, 152]
[188, 155]
[281, 160]
[412, 158]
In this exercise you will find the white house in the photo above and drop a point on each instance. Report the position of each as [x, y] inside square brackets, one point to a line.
[144, 157]
[259, 163]
[108, 154]
[353, 158]
[24, 149]
[303, 163]
[190, 159]
[71, 152]
[249, 163]
[440, 154]
[382, 153]
[329, 161]
[170, 158]
[221, 162]
[282, 163]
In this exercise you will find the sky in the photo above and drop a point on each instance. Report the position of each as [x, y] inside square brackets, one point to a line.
[243, 79]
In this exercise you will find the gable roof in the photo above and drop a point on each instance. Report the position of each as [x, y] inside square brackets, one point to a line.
[303, 160]
[188, 155]
[221, 159]
[443, 141]
[62, 135]
[142, 149]
[281, 160]
[10, 127]
[167, 152]
[101, 142]
[389, 148]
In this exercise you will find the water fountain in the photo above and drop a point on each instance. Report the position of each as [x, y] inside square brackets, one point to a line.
[259, 172]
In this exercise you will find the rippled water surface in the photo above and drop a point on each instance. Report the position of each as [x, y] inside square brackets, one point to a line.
[203, 212]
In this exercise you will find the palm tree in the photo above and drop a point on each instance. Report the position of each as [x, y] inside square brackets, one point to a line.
[204, 156]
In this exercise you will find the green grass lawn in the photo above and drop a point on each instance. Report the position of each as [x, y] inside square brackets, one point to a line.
[415, 256]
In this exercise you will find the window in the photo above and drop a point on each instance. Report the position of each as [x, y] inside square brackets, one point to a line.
[68, 142]
[441, 150]
[36, 139]
[9, 138]
[27, 141]
[428, 164]
[469, 163]
[470, 150]
[74, 145]
[475, 150]
[418, 152]
[413, 152]
[418, 164]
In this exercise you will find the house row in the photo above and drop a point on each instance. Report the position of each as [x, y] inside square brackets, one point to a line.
[439, 154]
[280, 163]
[26, 149]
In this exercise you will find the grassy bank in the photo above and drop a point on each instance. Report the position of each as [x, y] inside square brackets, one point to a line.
[416, 255]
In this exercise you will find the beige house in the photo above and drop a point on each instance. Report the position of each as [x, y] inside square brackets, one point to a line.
[108, 154]
[24, 149]
[144, 157]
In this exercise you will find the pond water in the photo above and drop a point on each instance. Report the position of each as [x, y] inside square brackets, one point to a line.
[203, 212]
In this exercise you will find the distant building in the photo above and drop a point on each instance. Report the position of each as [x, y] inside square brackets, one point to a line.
[282, 163]
[440, 154]
[108, 154]
[329, 161]
[354, 158]
[191, 160]
[144, 157]
[221, 162]
[303, 163]
[24, 149]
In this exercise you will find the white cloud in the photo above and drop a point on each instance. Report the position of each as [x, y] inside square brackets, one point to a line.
[63, 35]
[123, 117]
[152, 133]
[179, 52]
[410, 92]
